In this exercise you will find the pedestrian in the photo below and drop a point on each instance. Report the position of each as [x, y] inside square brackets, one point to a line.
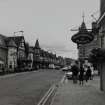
[92, 72]
[75, 71]
[81, 75]
[88, 74]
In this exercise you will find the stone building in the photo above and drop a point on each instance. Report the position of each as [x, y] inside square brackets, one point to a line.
[101, 24]
[11, 50]
[12, 55]
[3, 53]
[19, 41]
[36, 57]
[30, 57]
[44, 59]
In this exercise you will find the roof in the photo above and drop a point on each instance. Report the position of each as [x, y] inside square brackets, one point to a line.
[37, 44]
[12, 43]
[2, 41]
[83, 27]
[16, 39]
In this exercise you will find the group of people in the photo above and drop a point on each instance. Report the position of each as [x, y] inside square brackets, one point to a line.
[81, 73]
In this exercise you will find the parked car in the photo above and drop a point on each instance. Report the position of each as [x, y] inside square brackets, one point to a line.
[57, 67]
[67, 68]
[69, 75]
[64, 69]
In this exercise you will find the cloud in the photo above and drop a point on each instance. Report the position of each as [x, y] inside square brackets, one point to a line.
[58, 48]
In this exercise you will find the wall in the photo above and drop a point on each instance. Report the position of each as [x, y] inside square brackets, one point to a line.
[102, 6]
[12, 58]
[85, 50]
[3, 55]
[102, 79]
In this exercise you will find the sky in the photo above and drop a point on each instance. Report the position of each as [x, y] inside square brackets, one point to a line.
[49, 21]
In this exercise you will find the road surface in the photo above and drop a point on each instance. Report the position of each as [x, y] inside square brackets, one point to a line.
[27, 88]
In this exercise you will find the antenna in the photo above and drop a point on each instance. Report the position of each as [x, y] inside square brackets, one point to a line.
[83, 16]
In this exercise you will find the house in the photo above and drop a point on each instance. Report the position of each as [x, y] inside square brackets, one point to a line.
[20, 45]
[12, 55]
[30, 58]
[3, 53]
[36, 57]
[12, 52]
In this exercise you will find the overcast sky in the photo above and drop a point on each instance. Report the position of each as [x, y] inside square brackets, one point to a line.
[48, 20]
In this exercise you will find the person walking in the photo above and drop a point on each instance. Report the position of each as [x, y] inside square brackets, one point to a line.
[92, 72]
[75, 71]
[88, 74]
[81, 75]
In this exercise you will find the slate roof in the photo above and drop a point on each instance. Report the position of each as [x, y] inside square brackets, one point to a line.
[37, 44]
[83, 27]
[2, 41]
[10, 41]
[16, 39]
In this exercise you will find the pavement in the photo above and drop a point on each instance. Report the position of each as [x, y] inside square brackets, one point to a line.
[75, 94]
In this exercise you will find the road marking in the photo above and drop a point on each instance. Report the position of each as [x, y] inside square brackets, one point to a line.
[51, 93]
[47, 95]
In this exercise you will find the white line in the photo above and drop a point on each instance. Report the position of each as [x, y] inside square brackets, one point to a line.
[48, 95]
[43, 98]
[49, 92]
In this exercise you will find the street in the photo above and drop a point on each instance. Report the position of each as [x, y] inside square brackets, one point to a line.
[27, 88]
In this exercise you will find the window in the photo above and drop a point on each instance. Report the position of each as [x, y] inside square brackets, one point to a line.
[0, 65]
[102, 42]
[10, 65]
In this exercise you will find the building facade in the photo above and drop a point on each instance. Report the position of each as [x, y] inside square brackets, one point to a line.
[12, 55]
[3, 53]
[84, 50]
[12, 50]
[101, 23]
[44, 59]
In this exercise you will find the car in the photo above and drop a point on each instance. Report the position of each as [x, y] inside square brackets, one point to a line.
[64, 69]
[69, 75]
[57, 67]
